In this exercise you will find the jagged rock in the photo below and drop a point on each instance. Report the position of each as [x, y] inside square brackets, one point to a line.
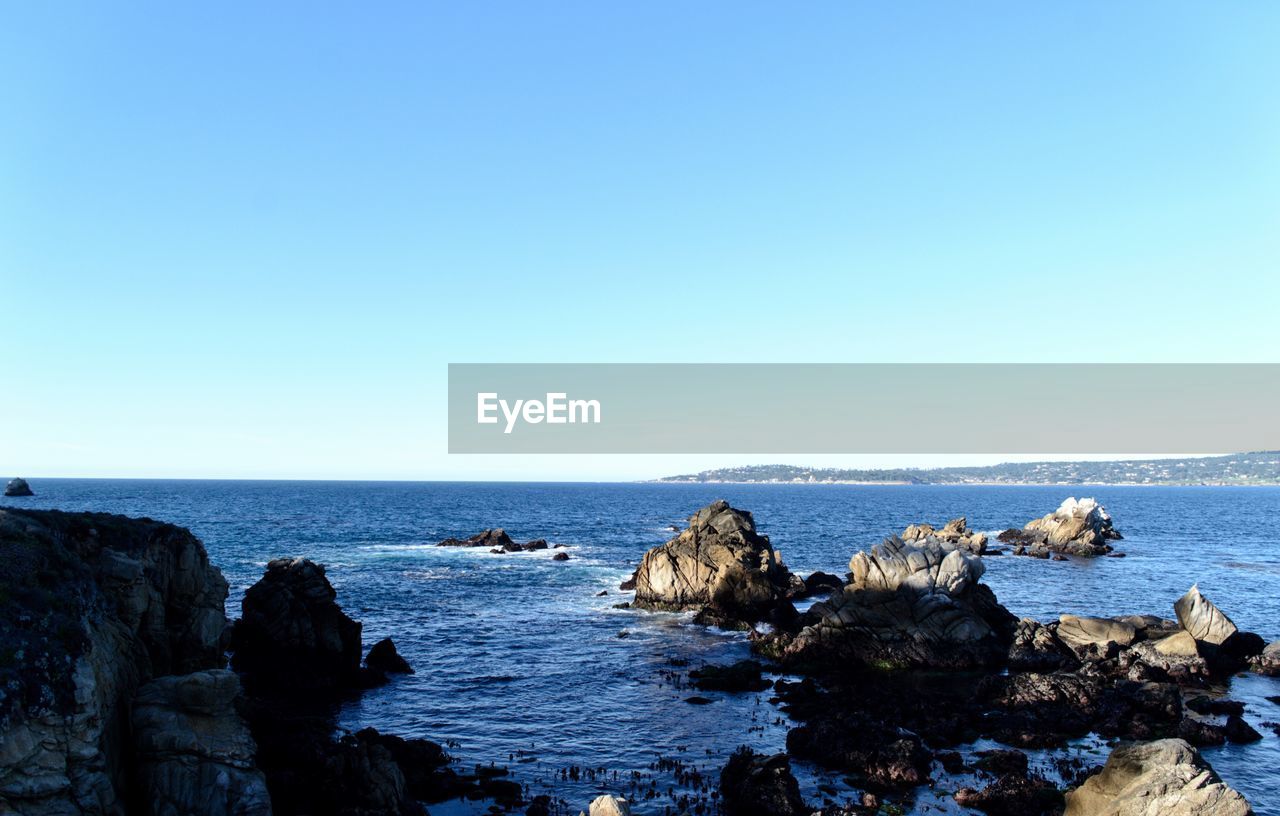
[1076, 528]
[1202, 619]
[1036, 648]
[96, 605]
[492, 538]
[745, 675]
[955, 534]
[292, 635]
[1014, 792]
[752, 784]
[817, 583]
[194, 755]
[1166, 777]
[1268, 662]
[383, 657]
[907, 605]
[17, 487]
[719, 562]
[874, 751]
[1080, 631]
[608, 805]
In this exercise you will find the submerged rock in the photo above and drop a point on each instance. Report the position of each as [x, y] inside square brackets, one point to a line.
[752, 784]
[745, 675]
[907, 606]
[719, 563]
[17, 487]
[1167, 777]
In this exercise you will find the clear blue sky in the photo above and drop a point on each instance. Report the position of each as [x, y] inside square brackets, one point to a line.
[245, 239]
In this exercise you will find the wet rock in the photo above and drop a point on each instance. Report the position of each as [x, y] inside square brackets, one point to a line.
[1268, 662]
[719, 563]
[818, 583]
[1014, 794]
[495, 538]
[1202, 704]
[1036, 648]
[192, 751]
[744, 675]
[1001, 761]
[864, 745]
[17, 487]
[1167, 777]
[292, 635]
[383, 657]
[752, 784]
[536, 544]
[560, 556]
[1239, 731]
[906, 606]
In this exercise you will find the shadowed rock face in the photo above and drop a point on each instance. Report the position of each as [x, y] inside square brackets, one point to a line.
[18, 487]
[1167, 776]
[193, 753]
[292, 635]
[96, 605]
[719, 561]
[752, 784]
[907, 606]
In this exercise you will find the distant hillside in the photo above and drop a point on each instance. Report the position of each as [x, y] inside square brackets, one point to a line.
[1261, 468]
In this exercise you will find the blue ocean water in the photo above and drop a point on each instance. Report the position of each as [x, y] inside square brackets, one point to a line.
[519, 658]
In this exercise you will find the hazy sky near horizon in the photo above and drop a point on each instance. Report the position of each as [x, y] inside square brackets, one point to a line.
[245, 239]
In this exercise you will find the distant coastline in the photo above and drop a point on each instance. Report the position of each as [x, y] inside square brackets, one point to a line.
[1234, 470]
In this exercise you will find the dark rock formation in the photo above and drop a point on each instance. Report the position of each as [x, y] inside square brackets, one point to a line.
[752, 784]
[293, 637]
[745, 675]
[384, 658]
[906, 606]
[719, 564]
[822, 583]
[96, 605]
[192, 751]
[17, 487]
[1168, 777]
[560, 556]
[493, 538]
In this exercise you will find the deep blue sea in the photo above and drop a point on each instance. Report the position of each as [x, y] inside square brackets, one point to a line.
[519, 660]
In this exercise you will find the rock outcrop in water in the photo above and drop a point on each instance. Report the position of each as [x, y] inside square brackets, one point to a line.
[17, 487]
[95, 606]
[719, 565]
[292, 635]
[906, 605]
[497, 540]
[1078, 527]
[752, 784]
[955, 534]
[1166, 777]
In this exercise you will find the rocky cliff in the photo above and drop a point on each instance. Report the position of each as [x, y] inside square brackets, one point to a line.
[92, 607]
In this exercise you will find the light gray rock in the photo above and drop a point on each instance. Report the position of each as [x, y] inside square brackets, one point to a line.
[719, 561]
[1077, 527]
[1202, 619]
[608, 805]
[193, 752]
[1163, 778]
[955, 534]
[907, 606]
[1080, 631]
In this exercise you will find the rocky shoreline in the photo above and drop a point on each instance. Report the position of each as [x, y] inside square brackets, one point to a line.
[117, 695]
